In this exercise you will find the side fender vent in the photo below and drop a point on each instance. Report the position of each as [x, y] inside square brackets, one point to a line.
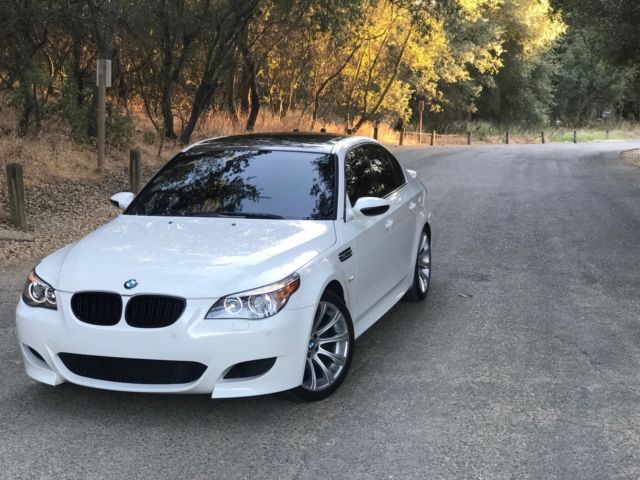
[345, 254]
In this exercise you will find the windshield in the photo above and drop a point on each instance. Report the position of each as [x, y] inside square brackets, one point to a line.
[242, 183]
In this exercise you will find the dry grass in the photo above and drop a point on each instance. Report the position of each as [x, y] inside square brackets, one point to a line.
[53, 156]
[632, 157]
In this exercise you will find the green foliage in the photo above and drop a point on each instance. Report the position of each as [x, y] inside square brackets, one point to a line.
[149, 137]
[74, 114]
[118, 125]
[588, 85]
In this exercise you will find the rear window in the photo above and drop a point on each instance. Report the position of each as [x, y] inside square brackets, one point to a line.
[242, 183]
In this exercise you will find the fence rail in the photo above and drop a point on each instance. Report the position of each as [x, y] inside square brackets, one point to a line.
[434, 138]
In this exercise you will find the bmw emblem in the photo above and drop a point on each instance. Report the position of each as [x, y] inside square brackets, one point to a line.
[129, 284]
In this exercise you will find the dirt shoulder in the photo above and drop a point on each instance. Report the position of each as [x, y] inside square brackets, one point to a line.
[632, 157]
[61, 212]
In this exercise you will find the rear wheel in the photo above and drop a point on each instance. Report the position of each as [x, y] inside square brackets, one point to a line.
[422, 270]
[329, 350]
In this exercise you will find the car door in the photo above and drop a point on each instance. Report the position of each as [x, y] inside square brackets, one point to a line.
[371, 238]
[404, 200]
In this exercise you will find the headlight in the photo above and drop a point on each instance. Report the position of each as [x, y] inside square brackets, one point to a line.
[38, 293]
[255, 304]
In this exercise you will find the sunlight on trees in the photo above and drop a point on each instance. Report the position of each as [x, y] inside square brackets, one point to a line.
[352, 62]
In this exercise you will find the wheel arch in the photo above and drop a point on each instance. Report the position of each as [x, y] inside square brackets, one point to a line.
[427, 228]
[336, 287]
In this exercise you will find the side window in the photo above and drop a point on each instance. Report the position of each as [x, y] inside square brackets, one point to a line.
[360, 178]
[371, 172]
[397, 169]
[387, 178]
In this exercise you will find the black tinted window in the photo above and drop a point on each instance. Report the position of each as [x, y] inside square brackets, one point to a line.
[397, 169]
[371, 172]
[252, 183]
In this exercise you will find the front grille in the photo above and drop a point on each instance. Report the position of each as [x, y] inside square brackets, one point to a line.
[97, 308]
[133, 370]
[153, 311]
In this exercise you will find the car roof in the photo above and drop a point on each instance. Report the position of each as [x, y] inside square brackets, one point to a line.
[310, 141]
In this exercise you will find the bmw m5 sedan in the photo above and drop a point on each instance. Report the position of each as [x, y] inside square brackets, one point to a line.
[247, 265]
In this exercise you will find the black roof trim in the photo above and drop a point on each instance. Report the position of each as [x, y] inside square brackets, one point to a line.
[275, 140]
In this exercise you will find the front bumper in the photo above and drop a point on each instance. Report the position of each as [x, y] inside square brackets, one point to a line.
[217, 344]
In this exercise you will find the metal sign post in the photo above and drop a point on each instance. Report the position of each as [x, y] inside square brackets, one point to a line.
[421, 111]
[103, 80]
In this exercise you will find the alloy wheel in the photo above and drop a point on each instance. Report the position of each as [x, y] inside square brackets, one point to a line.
[424, 263]
[328, 348]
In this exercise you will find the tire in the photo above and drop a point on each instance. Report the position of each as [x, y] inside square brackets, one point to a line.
[326, 368]
[422, 270]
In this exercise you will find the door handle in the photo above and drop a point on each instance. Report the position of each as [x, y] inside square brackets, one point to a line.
[388, 224]
[412, 206]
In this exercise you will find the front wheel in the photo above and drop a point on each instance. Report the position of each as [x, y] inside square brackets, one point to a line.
[422, 270]
[329, 350]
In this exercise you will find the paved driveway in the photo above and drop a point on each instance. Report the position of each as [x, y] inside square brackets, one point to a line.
[524, 362]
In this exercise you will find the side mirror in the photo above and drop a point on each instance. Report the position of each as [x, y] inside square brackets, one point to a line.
[412, 173]
[122, 199]
[371, 206]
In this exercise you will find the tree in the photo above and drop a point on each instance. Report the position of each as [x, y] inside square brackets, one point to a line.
[523, 90]
[230, 22]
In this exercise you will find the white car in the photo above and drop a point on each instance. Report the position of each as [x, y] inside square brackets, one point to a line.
[247, 265]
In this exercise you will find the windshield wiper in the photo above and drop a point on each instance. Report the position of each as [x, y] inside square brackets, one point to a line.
[233, 215]
[250, 215]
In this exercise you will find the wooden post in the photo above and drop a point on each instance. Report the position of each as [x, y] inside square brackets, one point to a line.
[607, 135]
[15, 190]
[375, 131]
[468, 138]
[506, 138]
[433, 138]
[575, 136]
[542, 136]
[134, 170]
[420, 113]
[103, 80]
[401, 137]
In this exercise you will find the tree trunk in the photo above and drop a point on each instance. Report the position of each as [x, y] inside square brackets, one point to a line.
[368, 115]
[105, 16]
[255, 103]
[200, 102]
[232, 24]
[167, 113]
[230, 95]
[250, 68]
[323, 85]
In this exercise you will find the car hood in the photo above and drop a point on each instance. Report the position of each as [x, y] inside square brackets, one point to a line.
[187, 257]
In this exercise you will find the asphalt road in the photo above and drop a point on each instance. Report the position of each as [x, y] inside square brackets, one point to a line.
[523, 363]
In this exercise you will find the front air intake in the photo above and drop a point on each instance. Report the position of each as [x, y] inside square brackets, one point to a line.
[133, 370]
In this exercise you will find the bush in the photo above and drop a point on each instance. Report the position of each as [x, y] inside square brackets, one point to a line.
[481, 130]
[149, 137]
[118, 125]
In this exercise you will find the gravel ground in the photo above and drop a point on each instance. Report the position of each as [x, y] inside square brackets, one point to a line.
[61, 213]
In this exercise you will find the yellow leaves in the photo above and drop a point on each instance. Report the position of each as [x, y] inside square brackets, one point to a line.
[530, 24]
[474, 10]
[398, 49]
